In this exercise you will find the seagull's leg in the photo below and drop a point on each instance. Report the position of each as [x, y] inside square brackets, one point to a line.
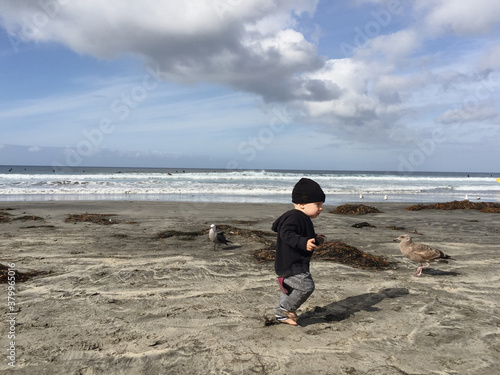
[418, 272]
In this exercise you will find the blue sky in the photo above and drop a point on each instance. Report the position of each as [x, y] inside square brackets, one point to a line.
[267, 84]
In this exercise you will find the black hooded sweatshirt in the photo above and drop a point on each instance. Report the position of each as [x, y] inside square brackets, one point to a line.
[294, 229]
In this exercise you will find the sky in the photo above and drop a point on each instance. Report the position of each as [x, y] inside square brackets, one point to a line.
[391, 85]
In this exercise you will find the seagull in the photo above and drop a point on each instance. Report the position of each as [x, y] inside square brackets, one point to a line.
[466, 197]
[361, 196]
[386, 197]
[217, 237]
[420, 253]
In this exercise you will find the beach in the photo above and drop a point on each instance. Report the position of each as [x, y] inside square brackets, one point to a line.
[141, 290]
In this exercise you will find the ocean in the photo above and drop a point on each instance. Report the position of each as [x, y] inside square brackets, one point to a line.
[34, 183]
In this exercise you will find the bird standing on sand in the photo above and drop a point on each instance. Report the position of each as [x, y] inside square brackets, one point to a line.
[217, 237]
[420, 253]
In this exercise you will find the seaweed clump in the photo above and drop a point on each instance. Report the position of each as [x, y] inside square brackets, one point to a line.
[350, 255]
[267, 238]
[5, 216]
[101, 219]
[264, 255]
[364, 224]
[489, 207]
[336, 252]
[491, 210]
[188, 236]
[20, 276]
[355, 209]
[28, 218]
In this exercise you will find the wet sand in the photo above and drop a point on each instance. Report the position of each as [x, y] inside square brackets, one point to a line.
[116, 299]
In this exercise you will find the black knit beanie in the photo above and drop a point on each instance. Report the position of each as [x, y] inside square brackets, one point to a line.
[307, 191]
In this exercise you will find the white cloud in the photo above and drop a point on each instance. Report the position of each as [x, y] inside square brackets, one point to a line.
[248, 45]
[400, 44]
[369, 93]
[462, 17]
[403, 74]
[491, 58]
[461, 117]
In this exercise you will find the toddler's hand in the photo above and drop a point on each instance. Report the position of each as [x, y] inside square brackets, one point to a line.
[311, 244]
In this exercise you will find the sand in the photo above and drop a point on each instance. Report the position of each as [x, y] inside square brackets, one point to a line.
[116, 299]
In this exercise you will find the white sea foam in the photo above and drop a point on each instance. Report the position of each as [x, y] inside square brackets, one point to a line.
[242, 186]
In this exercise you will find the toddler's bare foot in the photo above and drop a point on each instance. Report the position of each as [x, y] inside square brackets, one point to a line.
[288, 321]
[291, 315]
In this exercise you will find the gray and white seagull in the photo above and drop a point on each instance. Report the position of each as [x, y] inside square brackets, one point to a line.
[420, 253]
[217, 237]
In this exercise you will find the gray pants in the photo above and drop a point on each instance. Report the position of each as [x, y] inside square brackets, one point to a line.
[301, 286]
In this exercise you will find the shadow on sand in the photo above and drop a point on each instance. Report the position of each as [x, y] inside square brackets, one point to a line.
[341, 310]
[227, 248]
[435, 272]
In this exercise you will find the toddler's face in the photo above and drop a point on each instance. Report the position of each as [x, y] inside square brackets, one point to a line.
[313, 209]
